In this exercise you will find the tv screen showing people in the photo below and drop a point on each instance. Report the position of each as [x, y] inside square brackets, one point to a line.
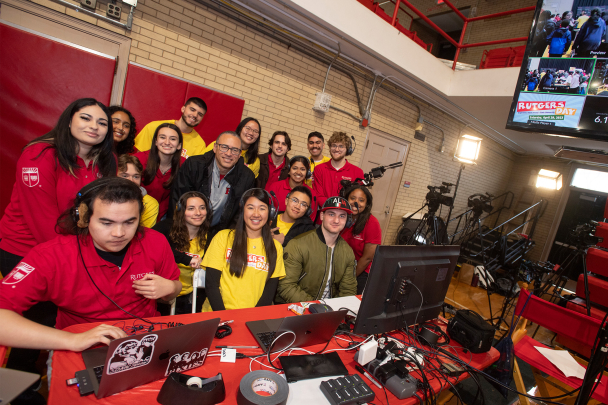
[563, 82]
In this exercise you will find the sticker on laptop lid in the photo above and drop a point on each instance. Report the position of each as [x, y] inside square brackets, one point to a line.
[132, 354]
[181, 362]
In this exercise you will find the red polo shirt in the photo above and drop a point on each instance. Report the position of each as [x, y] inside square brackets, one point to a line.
[282, 188]
[54, 272]
[327, 179]
[156, 189]
[371, 234]
[42, 191]
[274, 172]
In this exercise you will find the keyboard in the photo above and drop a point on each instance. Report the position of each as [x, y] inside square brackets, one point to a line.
[98, 370]
[266, 338]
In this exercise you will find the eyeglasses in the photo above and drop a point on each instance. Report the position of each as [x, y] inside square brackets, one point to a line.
[225, 148]
[302, 203]
[255, 131]
[337, 147]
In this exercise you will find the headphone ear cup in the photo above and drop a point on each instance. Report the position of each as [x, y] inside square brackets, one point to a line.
[349, 221]
[81, 212]
[308, 174]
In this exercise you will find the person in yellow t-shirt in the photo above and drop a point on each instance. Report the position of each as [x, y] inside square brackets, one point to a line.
[244, 265]
[192, 114]
[316, 143]
[187, 236]
[250, 131]
[130, 168]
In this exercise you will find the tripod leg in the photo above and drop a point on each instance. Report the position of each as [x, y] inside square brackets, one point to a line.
[586, 281]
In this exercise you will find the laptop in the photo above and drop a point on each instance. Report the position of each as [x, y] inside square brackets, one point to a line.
[309, 330]
[135, 360]
[13, 383]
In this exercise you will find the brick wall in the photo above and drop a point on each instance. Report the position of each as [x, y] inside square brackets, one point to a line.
[279, 86]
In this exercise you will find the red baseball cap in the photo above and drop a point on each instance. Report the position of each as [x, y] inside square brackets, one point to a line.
[336, 203]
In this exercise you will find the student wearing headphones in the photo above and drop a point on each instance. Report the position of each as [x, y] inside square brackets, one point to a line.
[161, 164]
[244, 265]
[187, 236]
[298, 171]
[320, 264]
[101, 250]
[296, 218]
[365, 234]
[130, 168]
[328, 175]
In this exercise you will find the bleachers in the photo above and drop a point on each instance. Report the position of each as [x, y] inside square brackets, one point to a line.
[502, 57]
[375, 7]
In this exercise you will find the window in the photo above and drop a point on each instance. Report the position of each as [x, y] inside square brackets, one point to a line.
[591, 180]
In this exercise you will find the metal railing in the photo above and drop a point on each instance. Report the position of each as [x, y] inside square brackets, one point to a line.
[459, 45]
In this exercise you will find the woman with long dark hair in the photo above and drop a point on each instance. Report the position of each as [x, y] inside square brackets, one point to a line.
[365, 234]
[250, 132]
[123, 130]
[50, 172]
[244, 265]
[299, 166]
[161, 164]
[187, 236]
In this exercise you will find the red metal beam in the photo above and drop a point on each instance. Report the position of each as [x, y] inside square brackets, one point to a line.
[450, 5]
[394, 20]
[464, 28]
[432, 24]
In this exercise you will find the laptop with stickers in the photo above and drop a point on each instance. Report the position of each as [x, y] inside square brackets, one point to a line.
[135, 360]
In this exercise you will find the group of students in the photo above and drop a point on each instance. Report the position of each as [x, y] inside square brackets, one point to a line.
[574, 82]
[585, 33]
[76, 245]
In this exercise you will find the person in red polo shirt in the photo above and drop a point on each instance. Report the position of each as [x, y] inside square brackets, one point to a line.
[365, 234]
[298, 169]
[102, 251]
[328, 175]
[273, 165]
[161, 164]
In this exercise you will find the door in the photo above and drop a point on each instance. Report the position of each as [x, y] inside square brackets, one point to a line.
[383, 149]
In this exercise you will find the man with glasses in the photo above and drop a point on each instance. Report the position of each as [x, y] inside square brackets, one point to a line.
[293, 221]
[328, 175]
[316, 143]
[220, 175]
[192, 114]
[319, 264]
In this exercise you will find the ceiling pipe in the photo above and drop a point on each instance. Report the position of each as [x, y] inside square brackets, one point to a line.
[329, 67]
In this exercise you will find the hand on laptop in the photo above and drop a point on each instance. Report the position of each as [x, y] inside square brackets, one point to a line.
[153, 286]
[99, 334]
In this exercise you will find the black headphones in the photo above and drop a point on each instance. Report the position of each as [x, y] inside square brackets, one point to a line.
[273, 209]
[309, 210]
[223, 331]
[351, 148]
[349, 219]
[307, 164]
[199, 195]
[89, 188]
[430, 334]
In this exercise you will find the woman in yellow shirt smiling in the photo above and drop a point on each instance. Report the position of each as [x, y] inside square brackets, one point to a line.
[244, 265]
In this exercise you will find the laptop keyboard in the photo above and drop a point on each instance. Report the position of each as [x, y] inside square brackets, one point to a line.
[266, 338]
[98, 370]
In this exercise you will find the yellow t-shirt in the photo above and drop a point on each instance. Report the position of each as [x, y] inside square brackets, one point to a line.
[255, 166]
[150, 214]
[186, 272]
[581, 20]
[244, 292]
[193, 143]
[312, 169]
[284, 227]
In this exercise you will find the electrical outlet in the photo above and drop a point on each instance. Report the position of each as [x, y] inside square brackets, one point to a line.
[113, 11]
[89, 4]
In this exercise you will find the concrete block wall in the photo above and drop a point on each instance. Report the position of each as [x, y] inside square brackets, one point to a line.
[279, 85]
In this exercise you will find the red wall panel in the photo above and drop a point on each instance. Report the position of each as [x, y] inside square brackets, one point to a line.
[151, 95]
[40, 78]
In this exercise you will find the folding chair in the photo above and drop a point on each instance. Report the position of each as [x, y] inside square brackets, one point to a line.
[576, 326]
[198, 281]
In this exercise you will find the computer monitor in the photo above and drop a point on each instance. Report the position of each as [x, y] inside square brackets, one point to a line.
[390, 300]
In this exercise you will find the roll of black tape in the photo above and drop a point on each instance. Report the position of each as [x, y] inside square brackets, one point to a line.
[262, 388]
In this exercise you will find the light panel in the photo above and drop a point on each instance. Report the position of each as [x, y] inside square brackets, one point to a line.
[467, 150]
[549, 179]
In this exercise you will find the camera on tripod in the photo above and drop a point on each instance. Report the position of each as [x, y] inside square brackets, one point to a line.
[583, 235]
[480, 203]
[435, 197]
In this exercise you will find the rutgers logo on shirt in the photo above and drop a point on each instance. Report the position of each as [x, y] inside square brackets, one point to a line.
[347, 178]
[30, 176]
[227, 190]
[184, 153]
[19, 273]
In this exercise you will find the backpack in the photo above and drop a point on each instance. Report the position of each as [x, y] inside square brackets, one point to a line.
[531, 84]
[558, 41]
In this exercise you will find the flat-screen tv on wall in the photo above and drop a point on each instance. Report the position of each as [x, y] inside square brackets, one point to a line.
[563, 83]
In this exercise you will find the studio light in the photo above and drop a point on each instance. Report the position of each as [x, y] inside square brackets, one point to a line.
[467, 149]
[549, 179]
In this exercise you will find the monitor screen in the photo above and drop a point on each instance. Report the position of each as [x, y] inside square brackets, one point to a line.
[406, 285]
[562, 87]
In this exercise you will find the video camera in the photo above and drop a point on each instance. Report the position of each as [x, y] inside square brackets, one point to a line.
[583, 235]
[480, 203]
[435, 197]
